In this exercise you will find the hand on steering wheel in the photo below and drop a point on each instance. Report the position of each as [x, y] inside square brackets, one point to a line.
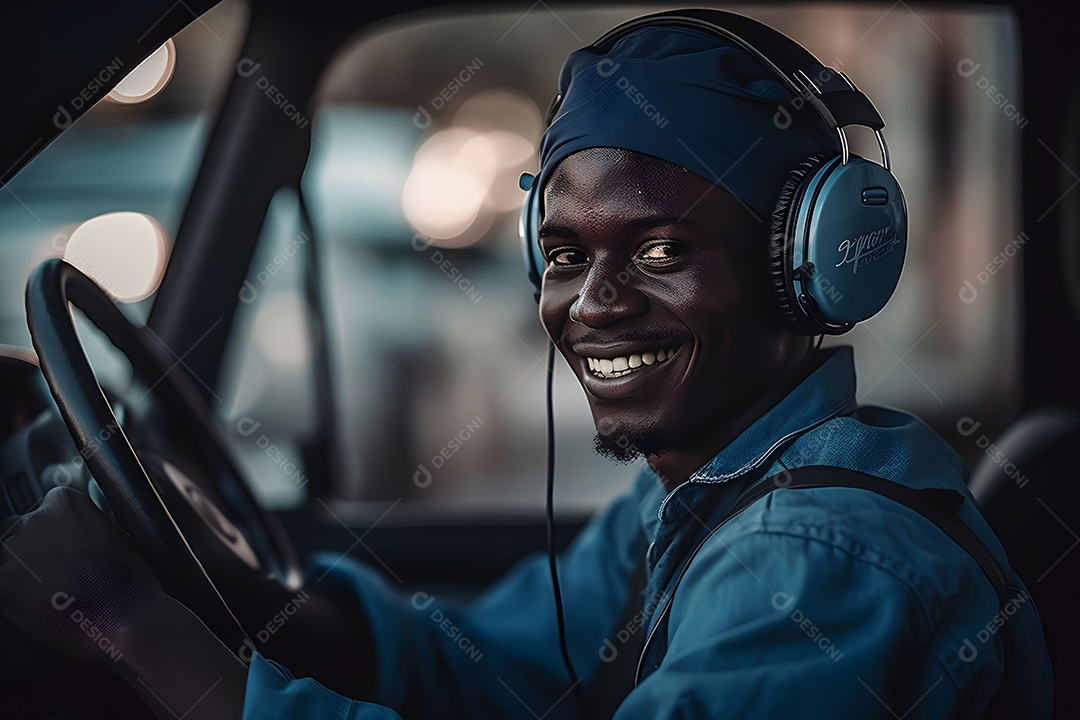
[72, 581]
[195, 528]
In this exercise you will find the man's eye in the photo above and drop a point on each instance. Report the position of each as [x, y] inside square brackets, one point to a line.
[566, 256]
[659, 252]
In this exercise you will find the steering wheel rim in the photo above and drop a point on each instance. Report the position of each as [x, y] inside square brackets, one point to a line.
[135, 501]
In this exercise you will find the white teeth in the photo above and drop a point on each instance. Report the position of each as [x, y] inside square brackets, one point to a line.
[624, 365]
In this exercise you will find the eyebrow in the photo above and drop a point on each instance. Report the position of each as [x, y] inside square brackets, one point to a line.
[552, 230]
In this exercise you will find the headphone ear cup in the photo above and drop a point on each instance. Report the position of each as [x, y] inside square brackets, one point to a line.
[781, 237]
[528, 229]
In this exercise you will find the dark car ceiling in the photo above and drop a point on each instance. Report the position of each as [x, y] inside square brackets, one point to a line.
[62, 57]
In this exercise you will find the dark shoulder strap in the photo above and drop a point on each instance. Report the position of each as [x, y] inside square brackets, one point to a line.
[619, 655]
[936, 505]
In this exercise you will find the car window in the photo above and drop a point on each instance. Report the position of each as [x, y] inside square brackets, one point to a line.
[108, 194]
[421, 129]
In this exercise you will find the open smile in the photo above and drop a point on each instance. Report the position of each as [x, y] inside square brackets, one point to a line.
[620, 366]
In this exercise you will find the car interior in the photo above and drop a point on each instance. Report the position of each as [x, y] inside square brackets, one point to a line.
[262, 285]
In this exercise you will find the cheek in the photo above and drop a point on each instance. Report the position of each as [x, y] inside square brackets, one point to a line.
[704, 299]
[726, 319]
[554, 310]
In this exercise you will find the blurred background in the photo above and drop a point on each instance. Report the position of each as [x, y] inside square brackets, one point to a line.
[436, 356]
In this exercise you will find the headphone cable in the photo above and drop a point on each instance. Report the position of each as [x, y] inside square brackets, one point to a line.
[579, 693]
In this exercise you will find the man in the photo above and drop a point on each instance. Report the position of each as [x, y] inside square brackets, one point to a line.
[831, 602]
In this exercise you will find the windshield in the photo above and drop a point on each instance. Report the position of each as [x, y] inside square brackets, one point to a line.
[419, 132]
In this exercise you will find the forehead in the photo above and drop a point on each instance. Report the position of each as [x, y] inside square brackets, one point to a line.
[617, 183]
[612, 174]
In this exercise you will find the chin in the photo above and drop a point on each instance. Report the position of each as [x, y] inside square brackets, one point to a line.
[625, 439]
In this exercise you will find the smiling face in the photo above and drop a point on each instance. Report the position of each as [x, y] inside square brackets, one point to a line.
[656, 293]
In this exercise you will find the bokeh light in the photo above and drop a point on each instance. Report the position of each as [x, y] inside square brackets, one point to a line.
[124, 252]
[465, 175]
[148, 78]
[444, 195]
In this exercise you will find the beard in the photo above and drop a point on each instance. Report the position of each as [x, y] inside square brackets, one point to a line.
[623, 447]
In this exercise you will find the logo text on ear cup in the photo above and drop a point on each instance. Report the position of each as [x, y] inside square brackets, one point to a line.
[866, 248]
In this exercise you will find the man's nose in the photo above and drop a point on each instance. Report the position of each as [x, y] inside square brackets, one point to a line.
[608, 294]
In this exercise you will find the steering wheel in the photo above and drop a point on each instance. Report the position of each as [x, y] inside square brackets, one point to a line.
[184, 525]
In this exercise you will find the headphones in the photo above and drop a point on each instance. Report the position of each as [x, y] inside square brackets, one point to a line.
[838, 234]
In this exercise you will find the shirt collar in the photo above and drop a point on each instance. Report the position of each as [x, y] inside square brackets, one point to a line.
[827, 392]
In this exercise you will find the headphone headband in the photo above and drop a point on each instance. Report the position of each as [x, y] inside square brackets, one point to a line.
[831, 93]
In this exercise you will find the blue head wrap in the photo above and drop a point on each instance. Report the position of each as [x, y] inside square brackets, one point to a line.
[687, 97]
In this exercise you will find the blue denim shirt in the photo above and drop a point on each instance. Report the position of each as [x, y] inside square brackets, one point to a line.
[813, 603]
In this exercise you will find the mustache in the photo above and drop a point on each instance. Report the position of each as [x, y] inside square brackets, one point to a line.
[638, 337]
